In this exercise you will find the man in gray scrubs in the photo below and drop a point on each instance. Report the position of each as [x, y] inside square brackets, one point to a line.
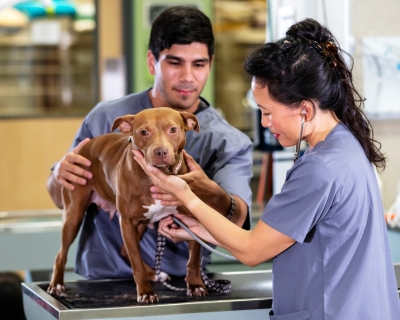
[181, 49]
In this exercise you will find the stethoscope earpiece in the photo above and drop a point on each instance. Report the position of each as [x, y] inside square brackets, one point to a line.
[297, 153]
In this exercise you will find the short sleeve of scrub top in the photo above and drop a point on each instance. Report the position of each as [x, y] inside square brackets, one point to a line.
[305, 198]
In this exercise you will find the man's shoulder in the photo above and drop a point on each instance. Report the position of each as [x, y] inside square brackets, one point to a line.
[211, 121]
[99, 120]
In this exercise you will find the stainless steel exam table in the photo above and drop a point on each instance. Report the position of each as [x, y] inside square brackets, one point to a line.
[250, 298]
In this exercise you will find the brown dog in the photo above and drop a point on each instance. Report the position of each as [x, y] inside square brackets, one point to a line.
[118, 180]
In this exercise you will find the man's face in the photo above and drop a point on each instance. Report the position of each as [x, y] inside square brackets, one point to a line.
[180, 75]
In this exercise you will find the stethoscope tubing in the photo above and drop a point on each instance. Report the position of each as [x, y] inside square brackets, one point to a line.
[205, 245]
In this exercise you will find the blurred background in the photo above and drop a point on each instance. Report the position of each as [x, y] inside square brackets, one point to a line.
[58, 58]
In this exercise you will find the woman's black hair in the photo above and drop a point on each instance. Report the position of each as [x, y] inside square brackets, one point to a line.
[308, 65]
[180, 25]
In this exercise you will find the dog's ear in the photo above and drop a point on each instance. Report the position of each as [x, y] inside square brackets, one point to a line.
[124, 123]
[191, 121]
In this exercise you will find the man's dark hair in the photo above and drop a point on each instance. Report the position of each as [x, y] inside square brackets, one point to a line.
[180, 25]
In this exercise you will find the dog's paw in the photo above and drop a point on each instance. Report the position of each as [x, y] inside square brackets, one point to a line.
[58, 290]
[196, 291]
[149, 297]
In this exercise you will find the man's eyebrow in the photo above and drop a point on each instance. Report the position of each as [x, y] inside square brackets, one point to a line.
[172, 57]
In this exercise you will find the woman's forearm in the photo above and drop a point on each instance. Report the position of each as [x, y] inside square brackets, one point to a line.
[218, 230]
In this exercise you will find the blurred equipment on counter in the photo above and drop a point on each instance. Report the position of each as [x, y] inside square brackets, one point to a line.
[381, 77]
[239, 27]
[393, 215]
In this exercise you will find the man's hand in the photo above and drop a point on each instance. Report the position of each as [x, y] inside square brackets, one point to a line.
[67, 170]
[196, 178]
[205, 188]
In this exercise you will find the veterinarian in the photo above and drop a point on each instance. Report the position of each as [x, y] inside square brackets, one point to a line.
[325, 230]
[180, 55]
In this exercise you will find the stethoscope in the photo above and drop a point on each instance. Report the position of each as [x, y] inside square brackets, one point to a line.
[297, 151]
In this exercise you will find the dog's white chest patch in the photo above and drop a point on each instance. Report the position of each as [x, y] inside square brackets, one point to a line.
[157, 211]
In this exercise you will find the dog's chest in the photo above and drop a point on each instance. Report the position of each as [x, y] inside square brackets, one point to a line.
[157, 211]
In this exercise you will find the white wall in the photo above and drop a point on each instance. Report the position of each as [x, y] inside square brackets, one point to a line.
[350, 21]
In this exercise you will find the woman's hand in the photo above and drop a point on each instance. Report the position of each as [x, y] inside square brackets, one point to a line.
[172, 185]
[168, 228]
[196, 179]
[167, 199]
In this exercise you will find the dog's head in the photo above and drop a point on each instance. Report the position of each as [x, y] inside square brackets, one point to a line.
[159, 133]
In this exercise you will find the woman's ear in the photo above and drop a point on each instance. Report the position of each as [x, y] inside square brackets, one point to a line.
[307, 110]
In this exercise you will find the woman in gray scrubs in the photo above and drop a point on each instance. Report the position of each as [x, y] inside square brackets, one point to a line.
[325, 230]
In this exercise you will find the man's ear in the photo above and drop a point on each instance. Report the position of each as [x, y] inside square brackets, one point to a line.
[151, 63]
[124, 123]
[191, 121]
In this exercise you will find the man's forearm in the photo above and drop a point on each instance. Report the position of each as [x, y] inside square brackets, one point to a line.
[241, 210]
[54, 189]
[220, 201]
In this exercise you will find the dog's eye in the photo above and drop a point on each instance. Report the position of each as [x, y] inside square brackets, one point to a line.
[174, 129]
[143, 133]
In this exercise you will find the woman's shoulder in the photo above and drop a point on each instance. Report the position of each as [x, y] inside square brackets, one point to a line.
[340, 158]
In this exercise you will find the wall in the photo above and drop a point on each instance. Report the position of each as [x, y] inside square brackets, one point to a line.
[29, 147]
[379, 18]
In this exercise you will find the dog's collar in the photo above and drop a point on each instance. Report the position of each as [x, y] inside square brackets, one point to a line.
[130, 140]
[178, 167]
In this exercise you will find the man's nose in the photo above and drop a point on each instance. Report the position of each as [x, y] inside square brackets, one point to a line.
[187, 74]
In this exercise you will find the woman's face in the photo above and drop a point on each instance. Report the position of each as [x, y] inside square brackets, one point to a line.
[283, 122]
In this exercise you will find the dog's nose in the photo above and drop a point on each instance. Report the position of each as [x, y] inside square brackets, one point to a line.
[161, 152]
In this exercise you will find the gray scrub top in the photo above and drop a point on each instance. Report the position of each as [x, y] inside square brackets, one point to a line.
[224, 153]
[340, 266]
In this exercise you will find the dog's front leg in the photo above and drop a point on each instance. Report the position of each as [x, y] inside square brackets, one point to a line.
[151, 274]
[195, 286]
[131, 236]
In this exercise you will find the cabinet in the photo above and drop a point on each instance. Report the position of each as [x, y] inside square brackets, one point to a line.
[239, 29]
[47, 79]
